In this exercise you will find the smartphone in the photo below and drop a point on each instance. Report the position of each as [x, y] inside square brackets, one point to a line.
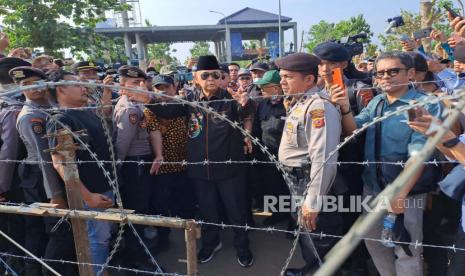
[412, 115]
[338, 77]
[422, 33]
[451, 11]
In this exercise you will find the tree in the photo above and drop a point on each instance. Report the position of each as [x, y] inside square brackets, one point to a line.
[200, 48]
[39, 23]
[160, 54]
[324, 31]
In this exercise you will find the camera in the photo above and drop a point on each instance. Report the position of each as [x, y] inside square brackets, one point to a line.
[394, 22]
[352, 43]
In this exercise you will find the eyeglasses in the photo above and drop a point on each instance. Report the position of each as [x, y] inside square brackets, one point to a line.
[391, 72]
[244, 78]
[215, 75]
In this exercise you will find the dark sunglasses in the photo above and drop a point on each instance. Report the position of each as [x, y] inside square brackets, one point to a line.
[391, 72]
[215, 75]
[244, 78]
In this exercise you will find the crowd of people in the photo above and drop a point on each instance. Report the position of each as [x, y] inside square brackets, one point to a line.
[181, 158]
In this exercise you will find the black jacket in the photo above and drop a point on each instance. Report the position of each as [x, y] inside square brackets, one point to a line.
[210, 137]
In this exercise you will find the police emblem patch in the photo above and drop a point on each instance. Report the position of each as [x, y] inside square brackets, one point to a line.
[133, 118]
[318, 122]
[37, 128]
[18, 74]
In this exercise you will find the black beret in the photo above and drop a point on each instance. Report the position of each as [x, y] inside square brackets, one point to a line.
[207, 63]
[8, 63]
[162, 79]
[419, 62]
[459, 52]
[331, 51]
[259, 66]
[130, 71]
[20, 73]
[84, 65]
[300, 62]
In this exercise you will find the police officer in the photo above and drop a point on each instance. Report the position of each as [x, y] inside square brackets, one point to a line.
[11, 148]
[133, 144]
[39, 181]
[94, 186]
[88, 71]
[311, 133]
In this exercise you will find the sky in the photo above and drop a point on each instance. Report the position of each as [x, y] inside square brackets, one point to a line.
[305, 12]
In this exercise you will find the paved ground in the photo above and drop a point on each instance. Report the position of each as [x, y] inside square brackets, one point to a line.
[270, 250]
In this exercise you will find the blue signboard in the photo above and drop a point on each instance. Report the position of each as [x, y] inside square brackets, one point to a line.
[272, 40]
[236, 45]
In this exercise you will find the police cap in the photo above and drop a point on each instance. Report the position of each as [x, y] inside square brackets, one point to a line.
[300, 62]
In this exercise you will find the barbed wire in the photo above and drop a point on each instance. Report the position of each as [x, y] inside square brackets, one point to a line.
[229, 162]
[118, 268]
[264, 149]
[93, 155]
[268, 229]
[8, 268]
[377, 119]
[43, 85]
[114, 184]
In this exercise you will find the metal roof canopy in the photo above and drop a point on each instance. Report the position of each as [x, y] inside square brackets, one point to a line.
[157, 34]
[248, 16]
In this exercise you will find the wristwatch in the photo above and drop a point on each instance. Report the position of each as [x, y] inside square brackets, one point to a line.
[451, 143]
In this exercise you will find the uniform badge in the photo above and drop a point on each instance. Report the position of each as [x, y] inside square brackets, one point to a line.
[195, 125]
[318, 118]
[318, 122]
[317, 113]
[37, 126]
[18, 74]
[133, 118]
[297, 111]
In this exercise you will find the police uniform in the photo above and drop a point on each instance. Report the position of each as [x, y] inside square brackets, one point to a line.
[11, 148]
[133, 144]
[40, 182]
[311, 132]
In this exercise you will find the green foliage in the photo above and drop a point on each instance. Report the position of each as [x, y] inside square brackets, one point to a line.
[371, 50]
[324, 31]
[200, 48]
[55, 24]
[251, 44]
[160, 54]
